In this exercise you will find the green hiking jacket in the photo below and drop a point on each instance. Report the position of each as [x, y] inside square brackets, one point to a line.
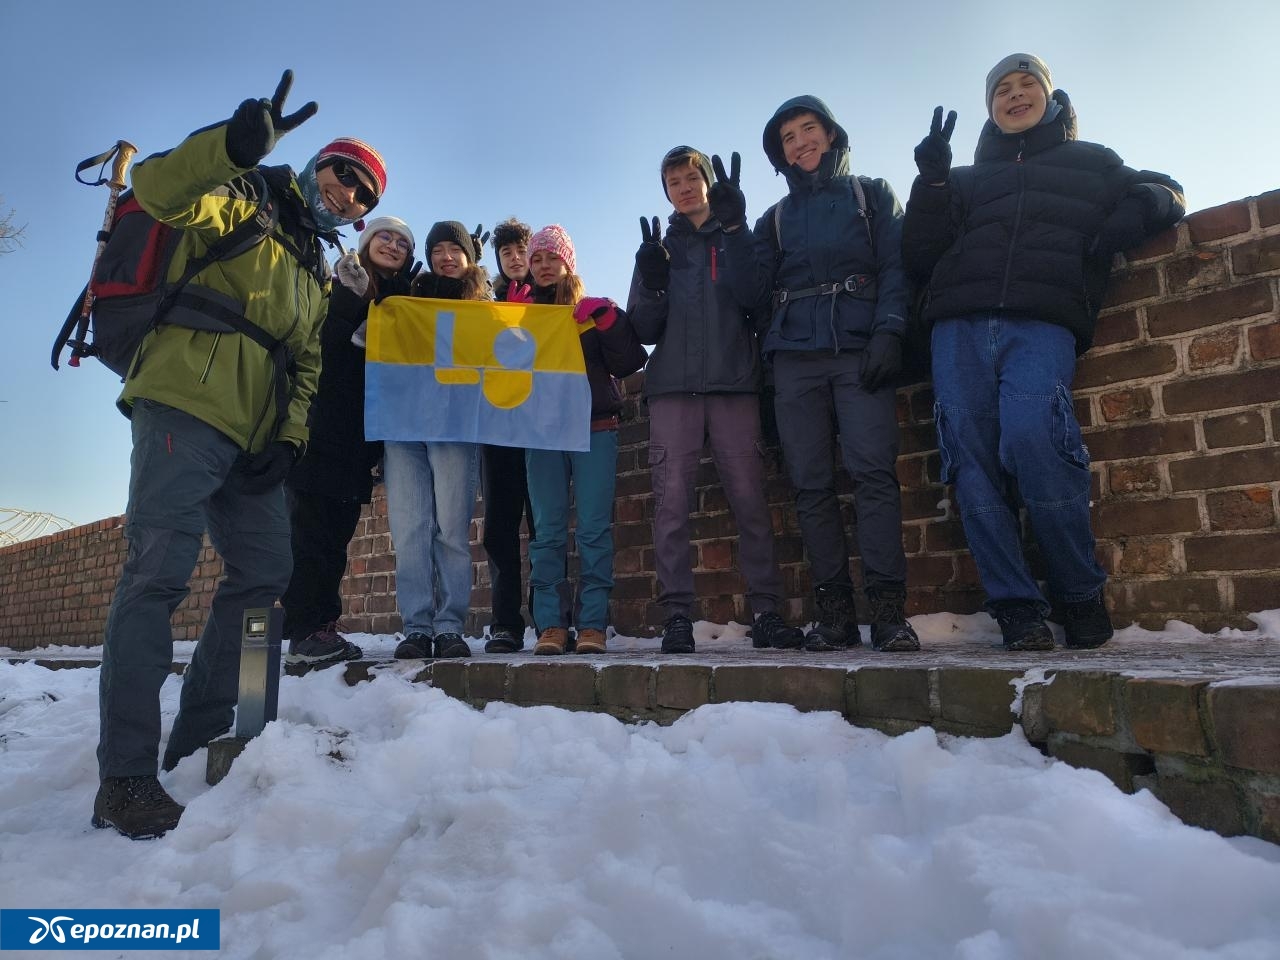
[225, 379]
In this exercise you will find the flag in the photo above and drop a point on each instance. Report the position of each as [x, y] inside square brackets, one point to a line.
[479, 371]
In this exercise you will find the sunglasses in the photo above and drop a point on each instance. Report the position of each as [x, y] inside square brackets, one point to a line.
[346, 174]
[394, 239]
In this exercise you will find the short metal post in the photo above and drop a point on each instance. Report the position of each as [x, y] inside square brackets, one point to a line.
[259, 670]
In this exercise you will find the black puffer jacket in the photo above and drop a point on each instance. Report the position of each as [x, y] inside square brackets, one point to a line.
[339, 461]
[701, 324]
[1017, 232]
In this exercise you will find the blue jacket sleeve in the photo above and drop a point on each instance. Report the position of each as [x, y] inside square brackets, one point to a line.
[891, 277]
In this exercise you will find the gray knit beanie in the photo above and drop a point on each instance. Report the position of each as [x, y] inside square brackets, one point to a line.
[1019, 63]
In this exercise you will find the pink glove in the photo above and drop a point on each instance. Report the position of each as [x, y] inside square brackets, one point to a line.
[600, 309]
[519, 293]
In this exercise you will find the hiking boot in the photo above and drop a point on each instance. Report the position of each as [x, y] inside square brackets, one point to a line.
[416, 646]
[770, 630]
[1022, 626]
[1088, 624]
[137, 807]
[551, 642]
[890, 630]
[590, 640]
[837, 625]
[504, 640]
[677, 634]
[326, 645]
[450, 645]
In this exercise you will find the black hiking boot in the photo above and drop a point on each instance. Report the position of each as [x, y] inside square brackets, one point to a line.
[677, 634]
[504, 640]
[1022, 626]
[837, 625]
[1088, 624]
[416, 646]
[326, 645]
[451, 645]
[770, 630]
[137, 807]
[890, 630]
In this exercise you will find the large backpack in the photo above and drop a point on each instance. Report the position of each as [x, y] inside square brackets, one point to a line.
[131, 296]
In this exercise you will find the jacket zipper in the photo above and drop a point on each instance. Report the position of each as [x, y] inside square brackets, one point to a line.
[204, 377]
[1017, 220]
[714, 273]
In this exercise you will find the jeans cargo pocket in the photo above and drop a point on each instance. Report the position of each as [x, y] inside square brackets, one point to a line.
[1067, 440]
[945, 444]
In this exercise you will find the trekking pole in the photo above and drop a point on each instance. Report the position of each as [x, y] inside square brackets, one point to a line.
[122, 153]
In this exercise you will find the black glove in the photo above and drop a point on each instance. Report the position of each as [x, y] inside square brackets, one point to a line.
[256, 126]
[268, 468]
[652, 259]
[728, 204]
[479, 239]
[884, 360]
[933, 155]
[1124, 229]
[399, 284]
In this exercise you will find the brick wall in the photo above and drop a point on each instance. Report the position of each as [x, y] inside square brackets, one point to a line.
[1180, 401]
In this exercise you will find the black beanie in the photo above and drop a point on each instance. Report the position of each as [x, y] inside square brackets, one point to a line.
[678, 156]
[453, 231]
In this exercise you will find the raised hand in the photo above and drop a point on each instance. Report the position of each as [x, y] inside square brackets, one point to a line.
[478, 240]
[600, 309]
[728, 204]
[352, 274]
[933, 155]
[257, 125]
[652, 259]
[519, 293]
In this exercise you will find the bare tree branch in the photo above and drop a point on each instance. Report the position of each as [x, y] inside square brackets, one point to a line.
[10, 235]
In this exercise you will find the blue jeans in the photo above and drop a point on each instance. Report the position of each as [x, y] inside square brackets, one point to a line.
[431, 494]
[593, 474]
[181, 483]
[1007, 432]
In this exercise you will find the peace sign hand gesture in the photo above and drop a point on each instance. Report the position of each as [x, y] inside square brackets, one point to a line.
[257, 125]
[652, 259]
[728, 204]
[933, 155]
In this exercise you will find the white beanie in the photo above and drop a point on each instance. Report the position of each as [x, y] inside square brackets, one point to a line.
[393, 224]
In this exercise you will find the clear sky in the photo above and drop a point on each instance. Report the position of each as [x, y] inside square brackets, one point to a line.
[554, 112]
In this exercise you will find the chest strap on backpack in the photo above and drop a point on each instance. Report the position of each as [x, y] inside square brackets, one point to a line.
[854, 284]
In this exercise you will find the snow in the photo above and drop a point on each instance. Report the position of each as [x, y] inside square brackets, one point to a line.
[388, 820]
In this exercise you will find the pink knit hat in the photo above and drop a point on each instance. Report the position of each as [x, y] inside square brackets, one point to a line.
[553, 239]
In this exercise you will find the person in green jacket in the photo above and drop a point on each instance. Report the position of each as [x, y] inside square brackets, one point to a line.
[218, 419]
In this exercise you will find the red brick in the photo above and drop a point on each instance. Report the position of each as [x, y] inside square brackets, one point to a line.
[1253, 594]
[1147, 557]
[1218, 222]
[1235, 430]
[1142, 476]
[922, 405]
[1213, 350]
[1116, 327]
[1173, 596]
[1132, 404]
[922, 504]
[945, 536]
[1210, 309]
[1258, 465]
[1248, 551]
[1161, 245]
[1141, 518]
[1149, 360]
[716, 555]
[1244, 722]
[1129, 286]
[1146, 440]
[1198, 271]
[1240, 389]
[930, 571]
[1083, 411]
[918, 438]
[1256, 256]
[1269, 209]
[1241, 509]
[1264, 341]
[1164, 715]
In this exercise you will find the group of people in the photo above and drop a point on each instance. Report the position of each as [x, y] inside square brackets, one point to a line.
[1012, 254]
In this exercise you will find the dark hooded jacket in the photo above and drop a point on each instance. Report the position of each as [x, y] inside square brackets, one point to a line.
[1018, 232]
[701, 323]
[825, 240]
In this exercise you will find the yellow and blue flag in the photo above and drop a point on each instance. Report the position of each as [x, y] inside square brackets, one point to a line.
[508, 374]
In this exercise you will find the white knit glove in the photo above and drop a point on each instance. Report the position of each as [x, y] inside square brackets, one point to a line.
[352, 274]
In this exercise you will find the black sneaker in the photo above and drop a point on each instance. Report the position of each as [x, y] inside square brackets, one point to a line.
[451, 645]
[137, 807]
[890, 630]
[416, 646]
[770, 630]
[1022, 626]
[677, 634]
[326, 645]
[837, 625]
[504, 640]
[1088, 624]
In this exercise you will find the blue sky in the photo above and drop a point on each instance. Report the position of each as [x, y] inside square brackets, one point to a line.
[554, 112]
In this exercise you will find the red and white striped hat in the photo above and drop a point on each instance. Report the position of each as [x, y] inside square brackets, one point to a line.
[359, 153]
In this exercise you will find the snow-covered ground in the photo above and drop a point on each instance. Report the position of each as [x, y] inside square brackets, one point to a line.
[387, 820]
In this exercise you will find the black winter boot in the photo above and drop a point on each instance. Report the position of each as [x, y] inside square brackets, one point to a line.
[837, 623]
[1088, 624]
[770, 630]
[137, 807]
[1022, 626]
[890, 630]
[677, 634]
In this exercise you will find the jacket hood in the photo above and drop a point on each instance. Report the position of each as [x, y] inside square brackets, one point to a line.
[773, 142]
[992, 143]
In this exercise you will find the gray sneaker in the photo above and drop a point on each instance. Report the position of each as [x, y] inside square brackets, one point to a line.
[326, 645]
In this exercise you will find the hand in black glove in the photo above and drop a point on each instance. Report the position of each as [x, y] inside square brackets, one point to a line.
[400, 283]
[884, 360]
[933, 155]
[268, 468]
[728, 204]
[256, 126]
[1124, 229]
[652, 259]
[479, 239]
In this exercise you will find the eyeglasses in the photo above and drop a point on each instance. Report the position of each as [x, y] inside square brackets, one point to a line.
[397, 241]
[347, 176]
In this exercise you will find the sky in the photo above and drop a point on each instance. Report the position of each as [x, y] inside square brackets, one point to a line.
[553, 111]
[388, 820]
